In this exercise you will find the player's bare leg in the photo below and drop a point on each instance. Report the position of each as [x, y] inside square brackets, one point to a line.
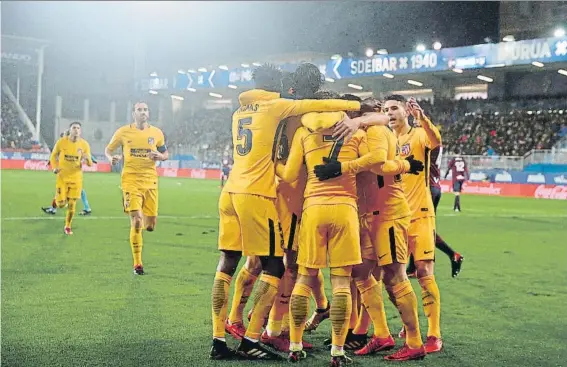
[244, 284]
[370, 290]
[431, 304]
[277, 329]
[150, 223]
[228, 262]
[272, 271]
[323, 310]
[136, 240]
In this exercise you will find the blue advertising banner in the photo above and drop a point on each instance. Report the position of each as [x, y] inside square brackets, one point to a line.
[545, 50]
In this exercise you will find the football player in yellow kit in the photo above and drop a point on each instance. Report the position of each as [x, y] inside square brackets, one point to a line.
[249, 223]
[142, 145]
[66, 161]
[418, 142]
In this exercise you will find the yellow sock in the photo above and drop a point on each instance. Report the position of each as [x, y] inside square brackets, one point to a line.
[363, 322]
[319, 292]
[281, 305]
[221, 284]
[71, 204]
[298, 309]
[286, 323]
[371, 297]
[243, 286]
[355, 305]
[403, 297]
[431, 304]
[136, 243]
[263, 301]
[341, 308]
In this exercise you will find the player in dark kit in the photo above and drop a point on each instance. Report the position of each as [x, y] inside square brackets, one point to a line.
[226, 165]
[459, 173]
[435, 187]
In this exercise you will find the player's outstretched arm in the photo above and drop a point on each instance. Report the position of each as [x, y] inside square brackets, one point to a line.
[290, 171]
[284, 108]
[347, 127]
[449, 167]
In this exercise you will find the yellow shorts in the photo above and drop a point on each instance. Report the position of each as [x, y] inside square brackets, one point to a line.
[67, 189]
[289, 224]
[389, 239]
[135, 198]
[329, 237]
[249, 223]
[366, 245]
[422, 238]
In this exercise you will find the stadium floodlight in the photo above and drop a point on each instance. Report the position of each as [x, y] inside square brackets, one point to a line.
[388, 75]
[437, 45]
[232, 86]
[458, 71]
[355, 86]
[244, 65]
[330, 80]
[153, 92]
[191, 89]
[191, 71]
[508, 38]
[415, 82]
[420, 47]
[216, 95]
[179, 98]
[382, 51]
[559, 32]
[369, 52]
[485, 78]
[202, 70]
[256, 64]
[153, 75]
[223, 67]
[562, 72]
[538, 64]
[181, 71]
[335, 57]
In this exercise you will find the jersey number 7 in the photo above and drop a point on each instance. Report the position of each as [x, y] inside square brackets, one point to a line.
[244, 134]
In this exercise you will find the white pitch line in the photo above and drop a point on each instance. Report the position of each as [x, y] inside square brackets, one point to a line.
[475, 215]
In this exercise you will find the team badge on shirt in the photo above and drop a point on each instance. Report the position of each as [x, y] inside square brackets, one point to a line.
[151, 141]
[406, 149]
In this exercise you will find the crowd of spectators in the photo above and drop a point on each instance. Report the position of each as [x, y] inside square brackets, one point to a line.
[15, 135]
[474, 127]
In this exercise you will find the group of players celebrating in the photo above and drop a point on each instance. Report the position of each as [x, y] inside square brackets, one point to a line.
[318, 180]
[351, 193]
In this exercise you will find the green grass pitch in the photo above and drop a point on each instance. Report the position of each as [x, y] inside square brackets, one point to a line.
[73, 301]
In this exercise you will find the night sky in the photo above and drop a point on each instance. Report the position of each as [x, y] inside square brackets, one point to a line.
[96, 41]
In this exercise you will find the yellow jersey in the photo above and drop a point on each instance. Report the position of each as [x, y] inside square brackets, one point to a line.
[136, 147]
[311, 147]
[390, 202]
[416, 187]
[67, 155]
[257, 127]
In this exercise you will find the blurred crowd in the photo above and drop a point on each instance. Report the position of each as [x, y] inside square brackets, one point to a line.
[14, 134]
[471, 127]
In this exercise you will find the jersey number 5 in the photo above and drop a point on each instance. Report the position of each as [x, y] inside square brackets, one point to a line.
[245, 147]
